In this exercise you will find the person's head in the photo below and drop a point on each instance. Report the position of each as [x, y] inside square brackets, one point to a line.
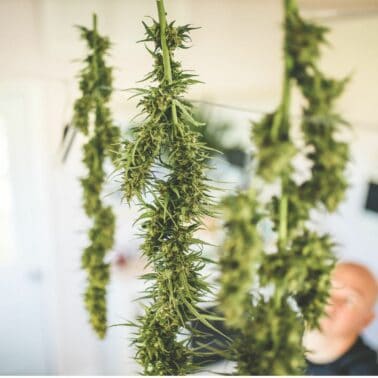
[351, 305]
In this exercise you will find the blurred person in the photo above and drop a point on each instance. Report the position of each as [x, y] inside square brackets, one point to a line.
[337, 347]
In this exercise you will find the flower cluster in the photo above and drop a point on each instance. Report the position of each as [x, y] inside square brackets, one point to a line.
[269, 331]
[241, 250]
[303, 270]
[103, 136]
[304, 262]
[164, 166]
[320, 123]
[275, 150]
[271, 341]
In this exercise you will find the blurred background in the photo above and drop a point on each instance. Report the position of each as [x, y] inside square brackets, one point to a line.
[237, 53]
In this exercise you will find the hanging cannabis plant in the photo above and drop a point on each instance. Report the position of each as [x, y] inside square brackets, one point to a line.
[270, 327]
[92, 118]
[320, 121]
[164, 166]
[327, 185]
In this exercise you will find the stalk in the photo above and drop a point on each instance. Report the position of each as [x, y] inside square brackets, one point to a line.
[284, 111]
[166, 54]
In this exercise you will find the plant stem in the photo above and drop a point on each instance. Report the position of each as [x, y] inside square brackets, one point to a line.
[94, 57]
[290, 5]
[282, 235]
[165, 50]
[285, 110]
[94, 20]
[281, 117]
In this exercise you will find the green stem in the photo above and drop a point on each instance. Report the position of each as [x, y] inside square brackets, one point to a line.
[166, 53]
[289, 6]
[94, 57]
[94, 20]
[286, 94]
[282, 234]
[281, 118]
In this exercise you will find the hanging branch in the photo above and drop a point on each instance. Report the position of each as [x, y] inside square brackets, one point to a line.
[304, 267]
[95, 85]
[274, 330]
[320, 121]
[327, 185]
[270, 330]
[164, 165]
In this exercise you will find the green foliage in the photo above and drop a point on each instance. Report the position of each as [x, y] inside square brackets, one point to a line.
[270, 331]
[96, 86]
[298, 213]
[303, 270]
[158, 350]
[320, 122]
[165, 161]
[330, 157]
[270, 343]
[241, 250]
[274, 148]
[313, 295]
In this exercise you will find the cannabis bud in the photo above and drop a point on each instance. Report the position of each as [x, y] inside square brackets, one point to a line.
[103, 137]
[165, 162]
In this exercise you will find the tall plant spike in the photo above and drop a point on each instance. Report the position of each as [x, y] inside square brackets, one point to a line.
[320, 121]
[92, 118]
[273, 330]
[164, 166]
[327, 185]
[270, 330]
[311, 255]
[240, 251]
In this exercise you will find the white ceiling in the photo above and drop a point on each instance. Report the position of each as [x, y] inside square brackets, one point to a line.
[338, 8]
[343, 5]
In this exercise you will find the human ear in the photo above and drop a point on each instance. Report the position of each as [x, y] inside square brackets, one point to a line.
[368, 319]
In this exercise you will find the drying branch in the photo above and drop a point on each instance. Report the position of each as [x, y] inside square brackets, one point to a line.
[164, 166]
[92, 118]
[269, 331]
